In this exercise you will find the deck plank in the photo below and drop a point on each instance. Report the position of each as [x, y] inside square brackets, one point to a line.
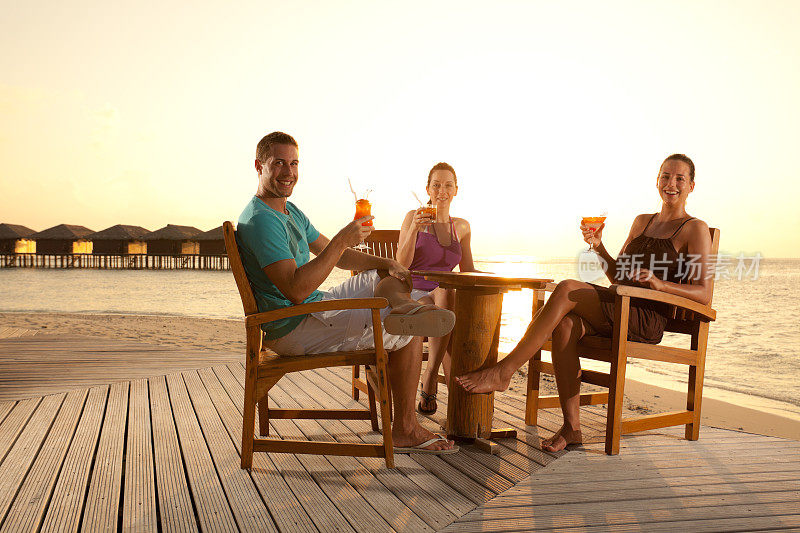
[139, 496]
[174, 499]
[101, 511]
[564, 508]
[14, 423]
[656, 491]
[641, 470]
[30, 505]
[771, 515]
[5, 407]
[209, 497]
[66, 506]
[243, 498]
[23, 452]
[647, 482]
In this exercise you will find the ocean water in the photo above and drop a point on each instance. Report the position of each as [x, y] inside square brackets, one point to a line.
[753, 353]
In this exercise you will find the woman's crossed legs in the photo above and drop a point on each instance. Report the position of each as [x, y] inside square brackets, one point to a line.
[572, 311]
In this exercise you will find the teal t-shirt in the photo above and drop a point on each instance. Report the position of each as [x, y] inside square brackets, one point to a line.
[266, 236]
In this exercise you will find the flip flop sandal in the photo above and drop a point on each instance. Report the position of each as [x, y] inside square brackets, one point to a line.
[422, 447]
[427, 399]
[422, 321]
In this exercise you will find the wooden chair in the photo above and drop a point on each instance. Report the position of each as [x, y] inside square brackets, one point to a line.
[263, 369]
[691, 318]
[382, 243]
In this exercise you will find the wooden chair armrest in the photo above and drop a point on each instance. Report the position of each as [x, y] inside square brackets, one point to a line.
[660, 296]
[546, 287]
[304, 309]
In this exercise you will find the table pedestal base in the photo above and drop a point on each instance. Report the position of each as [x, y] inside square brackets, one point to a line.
[475, 338]
[485, 444]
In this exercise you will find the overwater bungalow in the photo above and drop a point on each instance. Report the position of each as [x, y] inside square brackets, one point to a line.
[63, 239]
[120, 239]
[173, 240]
[16, 239]
[212, 242]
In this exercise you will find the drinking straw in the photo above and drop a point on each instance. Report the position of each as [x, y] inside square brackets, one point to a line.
[351, 189]
[417, 197]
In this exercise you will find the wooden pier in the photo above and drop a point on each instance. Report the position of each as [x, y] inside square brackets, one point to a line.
[104, 435]
[117, 261]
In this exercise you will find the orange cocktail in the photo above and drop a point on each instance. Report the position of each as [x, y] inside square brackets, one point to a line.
[593, 222]
[363, 208]
[429, 210]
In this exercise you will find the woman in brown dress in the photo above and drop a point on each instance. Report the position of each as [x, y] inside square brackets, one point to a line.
[661, 250]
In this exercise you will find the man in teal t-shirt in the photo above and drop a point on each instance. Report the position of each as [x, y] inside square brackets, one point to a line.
[267, 236]
[276, 240]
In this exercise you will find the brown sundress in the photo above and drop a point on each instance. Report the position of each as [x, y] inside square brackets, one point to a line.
[647, 319]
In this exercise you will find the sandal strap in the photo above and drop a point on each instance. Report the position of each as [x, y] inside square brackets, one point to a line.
[426, 396]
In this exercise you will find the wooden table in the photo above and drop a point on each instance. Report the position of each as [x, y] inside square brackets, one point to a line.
[475, 338]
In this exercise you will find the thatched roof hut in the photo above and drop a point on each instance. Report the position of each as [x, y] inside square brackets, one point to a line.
[16, 239]
[212, 242]
[63, 239]
[173, 240]
[120, 239]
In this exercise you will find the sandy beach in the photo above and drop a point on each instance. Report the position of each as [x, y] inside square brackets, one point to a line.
[200, 333]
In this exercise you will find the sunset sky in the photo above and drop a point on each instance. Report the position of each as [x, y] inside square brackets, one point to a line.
[148, 113]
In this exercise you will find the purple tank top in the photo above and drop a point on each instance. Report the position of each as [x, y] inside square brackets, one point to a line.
[430, 255]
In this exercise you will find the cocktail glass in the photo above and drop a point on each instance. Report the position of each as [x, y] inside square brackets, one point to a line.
[593, 223]
[363, 209]
[429, 210]
[426, 209]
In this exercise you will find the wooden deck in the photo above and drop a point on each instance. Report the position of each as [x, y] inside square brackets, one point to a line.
[162, 452]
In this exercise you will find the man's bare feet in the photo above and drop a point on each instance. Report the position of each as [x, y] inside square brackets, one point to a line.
[487, 380]
[562, 438]
[417, 436]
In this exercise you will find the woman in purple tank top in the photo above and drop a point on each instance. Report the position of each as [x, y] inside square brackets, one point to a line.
[439, 243]
[665, 243]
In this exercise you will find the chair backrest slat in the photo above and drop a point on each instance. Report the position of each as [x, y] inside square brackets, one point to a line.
[383, 243]
[242, 283]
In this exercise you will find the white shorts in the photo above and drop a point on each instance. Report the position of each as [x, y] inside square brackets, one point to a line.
[340, 330]
[416, 294]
